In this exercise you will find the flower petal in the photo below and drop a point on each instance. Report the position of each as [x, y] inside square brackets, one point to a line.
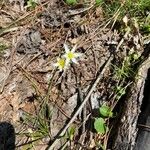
[60, 69]
[78, 54]
[55, 65]
[64, 56]
[67, 62]
[74, 60]
[66, 66]
[74, 48]
[66, 48]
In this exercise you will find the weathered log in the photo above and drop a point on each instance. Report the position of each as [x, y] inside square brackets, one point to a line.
[127, 129]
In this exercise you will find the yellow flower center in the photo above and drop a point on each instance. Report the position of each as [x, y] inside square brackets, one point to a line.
[70, 55]
[61, 63]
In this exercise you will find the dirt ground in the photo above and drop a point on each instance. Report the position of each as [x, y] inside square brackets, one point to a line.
[36, 98]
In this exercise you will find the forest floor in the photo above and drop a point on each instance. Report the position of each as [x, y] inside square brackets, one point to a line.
[56, 98]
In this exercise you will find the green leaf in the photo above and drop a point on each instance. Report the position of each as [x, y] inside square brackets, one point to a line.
[98, 2]
[135, 56]
[2, 47]
[99, 125]
[71, 132]
[146, 28]
[105, 111]
[71, 2]
[31, 4]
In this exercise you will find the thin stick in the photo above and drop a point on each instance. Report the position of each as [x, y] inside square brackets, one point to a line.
[145, 126]
[50, 147]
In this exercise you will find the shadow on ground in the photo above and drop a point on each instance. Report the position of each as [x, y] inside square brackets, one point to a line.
[7, 136]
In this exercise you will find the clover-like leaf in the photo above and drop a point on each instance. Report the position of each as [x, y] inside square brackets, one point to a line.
[105, 111]
[100, 126]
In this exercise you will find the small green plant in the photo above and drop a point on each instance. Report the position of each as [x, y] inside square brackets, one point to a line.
[136, 8]
[39, 125]
[105, 111]
[145, 26]
[125, 70]
[100, 126]
[71, 2]
[122, 72]
[32, 4]
[120, 91]
[27, 147]
[2, 48]
[100, 123]
[98, 2]
[70, 133]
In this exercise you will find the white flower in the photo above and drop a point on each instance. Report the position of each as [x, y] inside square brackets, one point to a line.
[61, 64]
[71, 55]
